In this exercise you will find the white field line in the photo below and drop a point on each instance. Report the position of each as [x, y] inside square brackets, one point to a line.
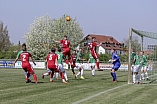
[77, 102]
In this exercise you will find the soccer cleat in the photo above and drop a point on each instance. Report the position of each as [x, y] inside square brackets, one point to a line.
[42, 76]
[147, 79]
[29, 80]
[65, 82]
[115, 81]
[93, 75]
[51, 81]
[139, 82]
[36, 82]
[82, 77]
[75, 76]
[133, 83]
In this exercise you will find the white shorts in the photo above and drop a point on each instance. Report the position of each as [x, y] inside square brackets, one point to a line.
[92, 64]
[61, 68]
[143, 68]
[136, 68]
[78, 65]
[48, 69]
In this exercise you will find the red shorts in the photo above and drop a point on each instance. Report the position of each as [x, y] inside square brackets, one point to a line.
[95, 55]
[28, 68]
[66, 51]
[53, 68]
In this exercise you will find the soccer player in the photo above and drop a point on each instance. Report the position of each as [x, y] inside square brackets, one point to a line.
[144, 65]
[136, 67]
[79, 62]
[116, 62]
[92, 62]
[60, 62]
[52, 58]
[25, 62]
[66, 48]
[73, 59]
[93, 50]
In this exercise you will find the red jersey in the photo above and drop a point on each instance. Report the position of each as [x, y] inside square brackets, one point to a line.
[92, 46]
[51, 60]
[74, 57]
[25, 59]
[65, 43]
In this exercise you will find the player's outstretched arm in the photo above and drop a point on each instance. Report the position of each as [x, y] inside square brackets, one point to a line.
[45, 64]
[15, 60]
[56, 41]
[99, 44]
[33, 61]
[88, 61]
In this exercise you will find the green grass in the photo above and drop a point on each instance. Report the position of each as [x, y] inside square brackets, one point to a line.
[14, 90]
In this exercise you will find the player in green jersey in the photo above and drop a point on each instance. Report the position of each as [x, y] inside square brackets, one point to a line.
[92, 62]
[79, 62]
[136, 67]
[144, 65]
[60, 62]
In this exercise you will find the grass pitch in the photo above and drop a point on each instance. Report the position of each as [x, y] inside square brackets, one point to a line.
[14, 90]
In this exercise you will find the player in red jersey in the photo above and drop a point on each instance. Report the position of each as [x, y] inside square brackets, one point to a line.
[93, 50]
[25, 62]
[73, 59]
[66, 48]
[52, 58]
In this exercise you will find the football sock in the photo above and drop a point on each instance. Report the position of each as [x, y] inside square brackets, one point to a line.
[93, 72]
[66, 61]
[97, 65]
[28, 74]
[35, 78]
[114, 75]
[138, 77]
[73, 70]
[70, 60]
[78, 73]
[142, 75]
[134, 79]
[65, 75]
[51, 77]
[62, 76]
[82, 72]
[146, 74]
[45, 74]
[57, 73]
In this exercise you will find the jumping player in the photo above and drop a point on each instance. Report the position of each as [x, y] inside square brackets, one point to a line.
[136, 67]
[93, 50]
[79, 62]
[60, 62]
[92, 62]
[66, 48]
[116, 62]
[144, 65]
[25, 62]
[52, 58]
[73, 59]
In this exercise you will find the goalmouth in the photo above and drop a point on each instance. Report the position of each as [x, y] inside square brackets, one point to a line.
[148, 44]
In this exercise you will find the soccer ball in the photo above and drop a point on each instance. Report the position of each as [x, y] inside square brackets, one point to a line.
[68, 18]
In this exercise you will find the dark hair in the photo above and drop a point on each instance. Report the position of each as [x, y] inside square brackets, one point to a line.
[53, 50]
[24, 46]
[74, 50]
[59, 49]
[65, 36]
[93, 37]
[113, 49]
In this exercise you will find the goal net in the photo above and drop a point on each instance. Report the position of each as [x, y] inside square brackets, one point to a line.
[146, 42]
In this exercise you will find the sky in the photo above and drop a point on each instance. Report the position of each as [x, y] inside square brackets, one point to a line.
[100, 17]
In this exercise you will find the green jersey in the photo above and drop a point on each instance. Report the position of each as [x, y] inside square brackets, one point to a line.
[18, 55]
[79, 55]
[92, 60]
[60, 57]
[132, 55]
[144, 60]
[137, 61]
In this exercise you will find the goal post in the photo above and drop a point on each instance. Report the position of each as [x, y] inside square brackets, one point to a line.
[147, 41]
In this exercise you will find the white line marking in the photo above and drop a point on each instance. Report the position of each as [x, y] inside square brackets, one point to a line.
[77, 102]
